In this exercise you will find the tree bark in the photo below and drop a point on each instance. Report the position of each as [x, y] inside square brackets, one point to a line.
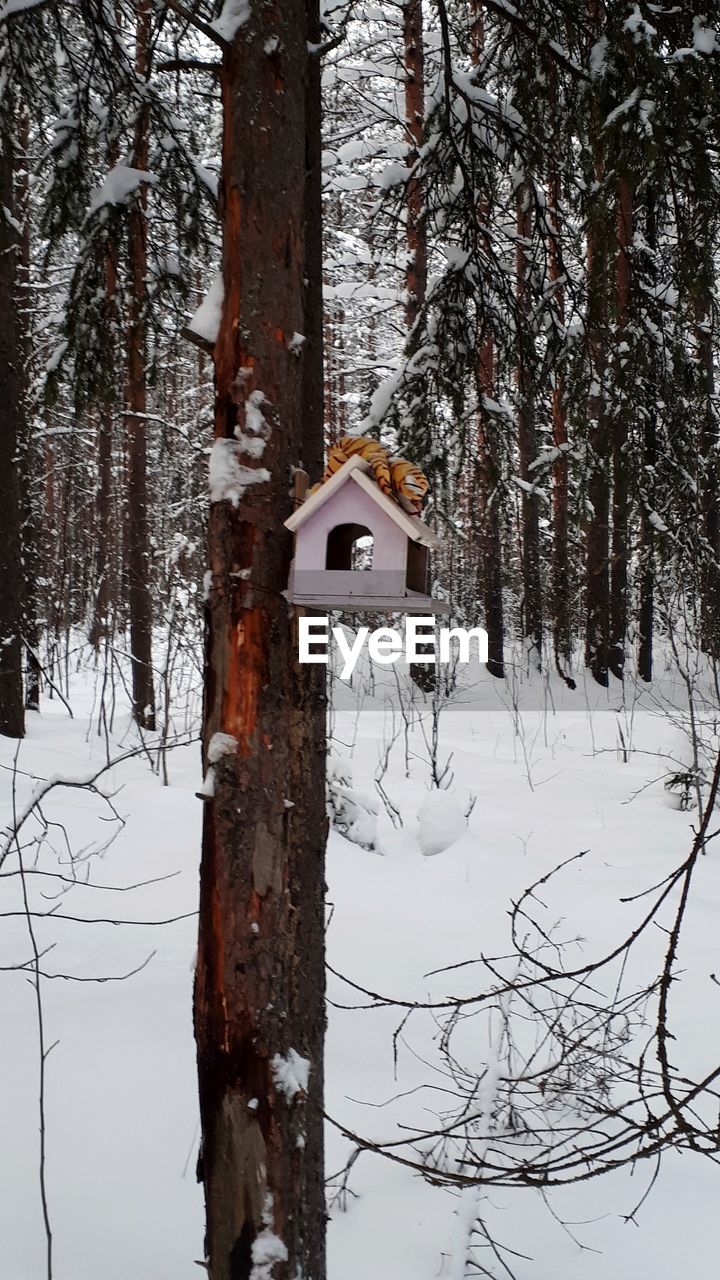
[709, 482]
[139, 591]
[527, 433]
[12, 718]
[313, 374]
[597, 579]
[416, 273]
[259, 996]
[621, 462]
[560, 569]
[646, 612]
[101, 625]
[29, 453]
[488, 493]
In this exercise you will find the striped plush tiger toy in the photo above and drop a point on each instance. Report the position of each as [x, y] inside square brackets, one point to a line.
[400, 480]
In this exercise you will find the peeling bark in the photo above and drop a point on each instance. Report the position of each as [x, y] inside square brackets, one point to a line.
[260, 975]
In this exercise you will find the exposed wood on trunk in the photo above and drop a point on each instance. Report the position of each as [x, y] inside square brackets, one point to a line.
[416, 273]
[621, 467]
[259, 996]
[12, 720]
[139, 591]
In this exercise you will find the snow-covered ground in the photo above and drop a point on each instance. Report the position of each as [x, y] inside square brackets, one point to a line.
[551, 773]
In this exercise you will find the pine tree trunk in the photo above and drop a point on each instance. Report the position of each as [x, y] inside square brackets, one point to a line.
[12, 719]
[415, 231]
[101, 623]
[28, 454]
[646, 612]
[709, 483]
[313, 375]
[488, 494]
[139, 590]
[489, 515]
[560, 587]
[259, 997]
[416, 273]
[621, 462]
[597, 584]
[101, 626]
[527, 436]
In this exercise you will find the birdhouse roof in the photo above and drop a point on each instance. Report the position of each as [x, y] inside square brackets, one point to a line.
[357, 471]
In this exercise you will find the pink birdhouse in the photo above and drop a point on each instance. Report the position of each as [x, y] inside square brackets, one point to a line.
[356, 549]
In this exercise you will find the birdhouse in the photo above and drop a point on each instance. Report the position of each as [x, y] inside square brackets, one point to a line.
[356, 549]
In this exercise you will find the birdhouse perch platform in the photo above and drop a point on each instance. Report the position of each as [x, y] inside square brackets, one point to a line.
[356, 549]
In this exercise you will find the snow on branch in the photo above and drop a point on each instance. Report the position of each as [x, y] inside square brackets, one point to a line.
[119, 185]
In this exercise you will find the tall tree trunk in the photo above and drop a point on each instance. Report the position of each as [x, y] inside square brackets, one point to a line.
[101, 625]
[489, 511]
[709, 484]
[597, 589]
[12, 719]
[560, 589]
[597, 583]
[488, 493]
[259, 997]
[313, 377]
[416, 272]
[527, 433]
[139, 592]
[646, 614]
[415, 230]
[621, 462]
[29, 454]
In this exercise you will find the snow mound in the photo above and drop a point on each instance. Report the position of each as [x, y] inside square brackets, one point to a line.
[441, 822]
[351, 812]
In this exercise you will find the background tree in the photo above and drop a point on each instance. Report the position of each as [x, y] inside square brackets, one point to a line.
[12, 720]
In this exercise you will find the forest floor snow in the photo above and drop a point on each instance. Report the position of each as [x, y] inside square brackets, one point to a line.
[551, 773]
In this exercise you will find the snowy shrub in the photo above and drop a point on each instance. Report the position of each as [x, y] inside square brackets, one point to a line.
[691, 763]
[682, 788]
[441, 822]
[352, 813]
